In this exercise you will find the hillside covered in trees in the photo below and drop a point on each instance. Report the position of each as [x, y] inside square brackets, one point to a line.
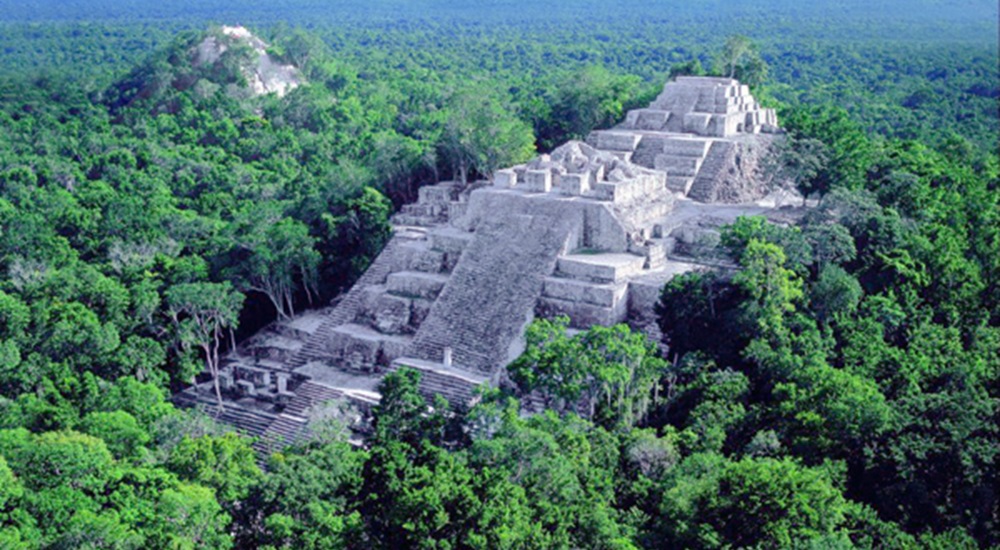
[841, 389]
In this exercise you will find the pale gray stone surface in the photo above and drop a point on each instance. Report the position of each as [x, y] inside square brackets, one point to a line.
[264, 74]
[591, 231]
[709, 136]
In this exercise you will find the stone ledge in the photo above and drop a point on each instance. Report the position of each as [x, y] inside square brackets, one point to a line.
[581, 315]
[604, 295]
[415, 284]
[600, 268]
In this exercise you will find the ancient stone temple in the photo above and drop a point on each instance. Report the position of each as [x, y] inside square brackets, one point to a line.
[591, 231]
[707, 134]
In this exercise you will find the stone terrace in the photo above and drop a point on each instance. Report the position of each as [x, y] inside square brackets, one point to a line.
[591, 231]
[693, 132]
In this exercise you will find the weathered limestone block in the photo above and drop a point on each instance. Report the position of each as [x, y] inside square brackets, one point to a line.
[436, 194]
[431, 261]
[693, 235]
[582, 315]
[505, 178]
[574, 184]
[392, 349]
[617, 141]
[675, 166]
[731, 172]
[451, 242]
[368, 298]
[622, 190]
[419, 256]
[686, 147]
[392, 314]
[600, 268]
[456, 210]
[538, 181]
[420, 308]
[354, 348]
[698, 123]
[415, 284]
[570, 290]
[260, 378]
[275, 348]
[603, 190]
[643, 297]
[654, 251]
[647, 119]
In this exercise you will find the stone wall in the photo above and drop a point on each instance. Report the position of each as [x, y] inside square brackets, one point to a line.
[594, 223]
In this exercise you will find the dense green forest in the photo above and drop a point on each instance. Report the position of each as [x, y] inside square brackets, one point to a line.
[840, 390]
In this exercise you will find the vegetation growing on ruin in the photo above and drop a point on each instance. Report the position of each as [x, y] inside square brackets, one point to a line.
[840, 390]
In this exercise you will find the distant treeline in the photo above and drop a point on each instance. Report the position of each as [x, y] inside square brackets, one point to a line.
[903, 70]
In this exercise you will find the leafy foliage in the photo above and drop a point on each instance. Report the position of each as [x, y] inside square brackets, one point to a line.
[838, 390]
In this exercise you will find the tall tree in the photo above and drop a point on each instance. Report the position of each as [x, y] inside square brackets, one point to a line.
[585, 100]
[740, 59]
[613, 371]
[201, 314]
[482, 133]
[281, 259]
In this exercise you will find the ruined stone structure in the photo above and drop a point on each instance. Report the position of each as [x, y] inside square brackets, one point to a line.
[264, 74]
[707, 134]
[591, 231]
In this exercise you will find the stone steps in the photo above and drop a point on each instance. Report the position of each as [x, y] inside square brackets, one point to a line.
[309, 394]
[647, 151]
[284, 431]
[715, 162]
[482, 311]
[677, 98]
[691, 147]
[347, 308]
[648, 119]
[676, 165]
[458, 388]
[251, 422]
[680, 184]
